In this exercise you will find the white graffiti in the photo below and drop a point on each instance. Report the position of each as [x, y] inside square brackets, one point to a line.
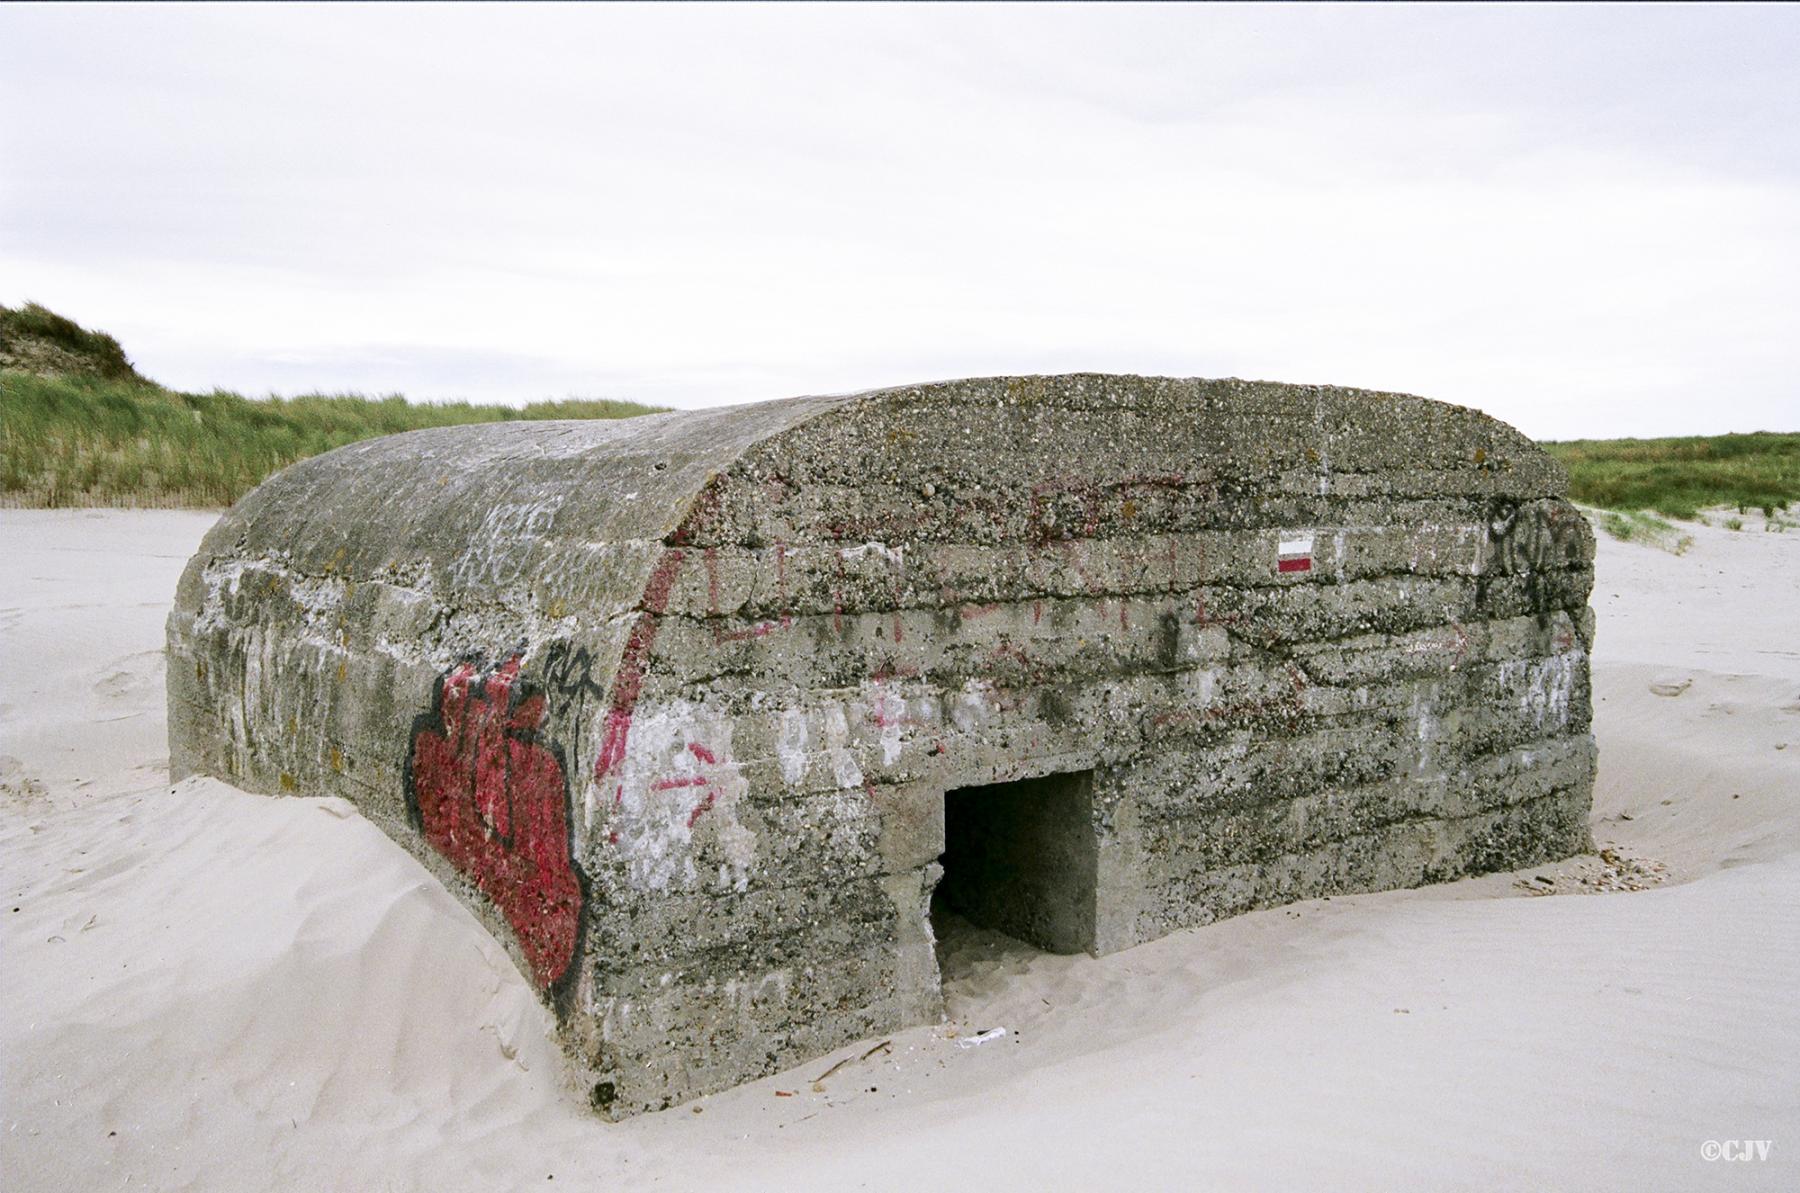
[1545, 687]
[677, 775]
[971, 708]
[894, 555]
[887, 708]
[1430, 730]
[493, 555]
[846, 736]
[792, 736]
[837, 746]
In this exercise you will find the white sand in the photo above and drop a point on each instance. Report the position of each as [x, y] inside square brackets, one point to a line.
[209, 990]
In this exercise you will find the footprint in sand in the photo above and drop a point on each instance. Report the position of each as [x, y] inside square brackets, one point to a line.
[18, 785]
[130, 677]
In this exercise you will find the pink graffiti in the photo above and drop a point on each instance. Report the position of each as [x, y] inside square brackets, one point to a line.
[493, 799]
[628, 683]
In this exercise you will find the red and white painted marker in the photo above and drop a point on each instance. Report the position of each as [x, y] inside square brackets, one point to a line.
[1294, 554]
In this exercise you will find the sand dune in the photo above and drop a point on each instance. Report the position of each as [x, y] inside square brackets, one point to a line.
[210, 990]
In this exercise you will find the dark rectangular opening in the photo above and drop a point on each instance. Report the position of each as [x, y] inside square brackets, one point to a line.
[1020, 858]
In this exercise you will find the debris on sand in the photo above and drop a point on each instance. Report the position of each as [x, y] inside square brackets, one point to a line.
[1611, 870]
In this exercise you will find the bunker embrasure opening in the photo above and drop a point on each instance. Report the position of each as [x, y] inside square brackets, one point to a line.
[1020, 858]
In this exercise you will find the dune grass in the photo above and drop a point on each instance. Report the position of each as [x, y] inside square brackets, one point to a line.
[37, 339]
[1638, 527]
[92, 440]
[80, 427]
[1680, 477]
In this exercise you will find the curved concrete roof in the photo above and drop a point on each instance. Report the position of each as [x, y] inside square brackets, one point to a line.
[436, 504]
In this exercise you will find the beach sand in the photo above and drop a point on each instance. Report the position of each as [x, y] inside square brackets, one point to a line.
[204, 989]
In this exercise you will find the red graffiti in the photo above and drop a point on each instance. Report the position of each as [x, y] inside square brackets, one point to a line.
[628, 682]
[1203, 616]
[761, 629]
[493, 799]
[700, 809]
[711, 556]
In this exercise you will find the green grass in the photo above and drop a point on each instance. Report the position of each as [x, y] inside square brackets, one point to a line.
[84, 441]
[1643, 528]
[79, 426]
[36, 331]
[1680, 477]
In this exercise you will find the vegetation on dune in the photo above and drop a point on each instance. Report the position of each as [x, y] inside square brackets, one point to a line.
[67, 441]
[35, 339]
[80, 432]
[1637, 527]
[1680, 477]
[80, 426]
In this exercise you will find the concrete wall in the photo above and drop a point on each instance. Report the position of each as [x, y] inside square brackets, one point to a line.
[687, 752]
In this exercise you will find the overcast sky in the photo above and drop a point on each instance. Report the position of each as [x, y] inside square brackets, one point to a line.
[1585, 221]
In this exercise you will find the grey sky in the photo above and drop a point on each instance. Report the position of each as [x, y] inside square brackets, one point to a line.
[1583, 220]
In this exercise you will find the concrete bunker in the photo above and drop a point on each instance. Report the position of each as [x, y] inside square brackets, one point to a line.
[695, 709]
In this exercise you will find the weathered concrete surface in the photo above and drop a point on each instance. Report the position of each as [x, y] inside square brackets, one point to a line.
[674, 702]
